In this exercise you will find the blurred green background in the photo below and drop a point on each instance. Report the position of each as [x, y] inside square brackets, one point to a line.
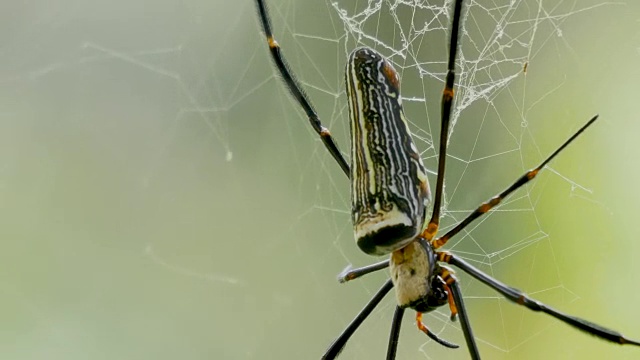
[162, 197]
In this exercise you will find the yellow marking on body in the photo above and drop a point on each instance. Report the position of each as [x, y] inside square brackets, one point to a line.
[397, 257]
[437, 243]
[421, 326]
[325, 132]
[446, 276]
[272, 42]
[431, 231]
[532, 173]
[484, 208]
[520, 300]
[489, 205]
[452, 304]
[443, 256]
[447, 93]
[391, 74]
[403, 255]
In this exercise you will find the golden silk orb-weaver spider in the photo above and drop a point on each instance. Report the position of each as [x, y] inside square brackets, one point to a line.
[390, 195]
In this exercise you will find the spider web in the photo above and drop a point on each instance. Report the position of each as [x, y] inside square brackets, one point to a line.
[161, 195]
[492, 145]
[500, 128]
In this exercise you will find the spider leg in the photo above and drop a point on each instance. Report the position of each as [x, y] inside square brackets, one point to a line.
[394, 335]
[452, 302]
[494, 201]
[296, 89]
[349, 274]
[456, 293]
[447, 102]
[523, 299]
[431, 335]
[338, 344]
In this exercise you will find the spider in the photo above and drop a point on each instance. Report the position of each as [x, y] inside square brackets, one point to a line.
[390, 194]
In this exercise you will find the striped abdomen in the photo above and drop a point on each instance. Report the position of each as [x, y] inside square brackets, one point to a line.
[389, 187]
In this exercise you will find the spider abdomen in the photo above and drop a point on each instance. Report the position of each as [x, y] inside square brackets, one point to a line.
[389, 187]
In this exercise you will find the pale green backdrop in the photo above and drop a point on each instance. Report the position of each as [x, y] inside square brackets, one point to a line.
[161, 197]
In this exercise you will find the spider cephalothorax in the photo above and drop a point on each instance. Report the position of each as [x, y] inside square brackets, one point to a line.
[415, 275]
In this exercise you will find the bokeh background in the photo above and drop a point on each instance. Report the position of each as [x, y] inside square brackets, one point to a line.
[162, 197]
